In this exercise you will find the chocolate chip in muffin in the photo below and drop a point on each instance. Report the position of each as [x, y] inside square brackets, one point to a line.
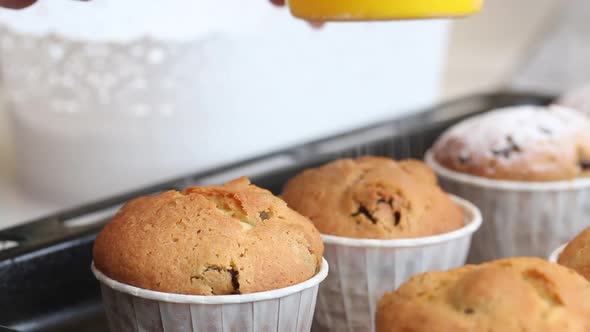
[507, 151]
[398, 217]
[234, 280]
[469, 311]
[545, 131]
[585, 164]
[362, 210]
[386, 201]
[233, 274]
[464, 157]
[263, 215]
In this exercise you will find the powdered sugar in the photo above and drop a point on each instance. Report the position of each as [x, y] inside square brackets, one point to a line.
[578, 99]
[514, 134]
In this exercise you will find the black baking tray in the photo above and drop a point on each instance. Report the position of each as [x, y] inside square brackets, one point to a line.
[45, 278]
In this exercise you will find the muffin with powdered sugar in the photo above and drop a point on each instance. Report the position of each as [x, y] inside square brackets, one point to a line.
[527, 143]
[527, 168]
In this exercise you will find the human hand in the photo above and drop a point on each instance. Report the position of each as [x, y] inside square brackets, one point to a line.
[20, 4]
[16, 4]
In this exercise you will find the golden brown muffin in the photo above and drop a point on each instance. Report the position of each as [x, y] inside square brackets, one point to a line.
[373, 197]
[509, 295]
[524, 143]
[576, 255]
[232, 239]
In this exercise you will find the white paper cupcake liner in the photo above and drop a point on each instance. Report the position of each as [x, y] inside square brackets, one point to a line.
[362, 270]
[556, 253]
[130, 308]
[520, 218]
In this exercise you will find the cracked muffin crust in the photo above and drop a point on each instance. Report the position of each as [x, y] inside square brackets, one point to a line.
[373, 197]
[576, 255]
[523, 143]
[231, 239]
[509, 295]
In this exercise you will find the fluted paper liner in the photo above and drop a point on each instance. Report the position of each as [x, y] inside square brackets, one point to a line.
[362, 270]
[289, 309]
[556, 253]
[520, 218]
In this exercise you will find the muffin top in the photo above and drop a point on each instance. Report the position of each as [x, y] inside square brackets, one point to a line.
[524, 143]
[578, 99]
[232, 239]
[373, 197]
[576, 255]
[509, 295]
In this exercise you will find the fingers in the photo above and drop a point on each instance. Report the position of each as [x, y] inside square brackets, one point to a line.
[316, 25]
[16, 4]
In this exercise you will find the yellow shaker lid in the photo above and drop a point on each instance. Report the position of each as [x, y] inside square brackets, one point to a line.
[366, 10]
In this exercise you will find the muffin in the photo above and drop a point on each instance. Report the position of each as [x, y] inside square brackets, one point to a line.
[373, 197]
[576, 254]
[210, 256]
[518, 294]
[578, 99]
[232, 239]
[526, 143]
[382, 221]
[526, 168]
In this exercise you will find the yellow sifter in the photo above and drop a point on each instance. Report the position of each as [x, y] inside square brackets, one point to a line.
[368, 10]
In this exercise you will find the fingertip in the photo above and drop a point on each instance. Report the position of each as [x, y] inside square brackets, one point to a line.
[316, 25]
[16, 4]
[278, 2]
